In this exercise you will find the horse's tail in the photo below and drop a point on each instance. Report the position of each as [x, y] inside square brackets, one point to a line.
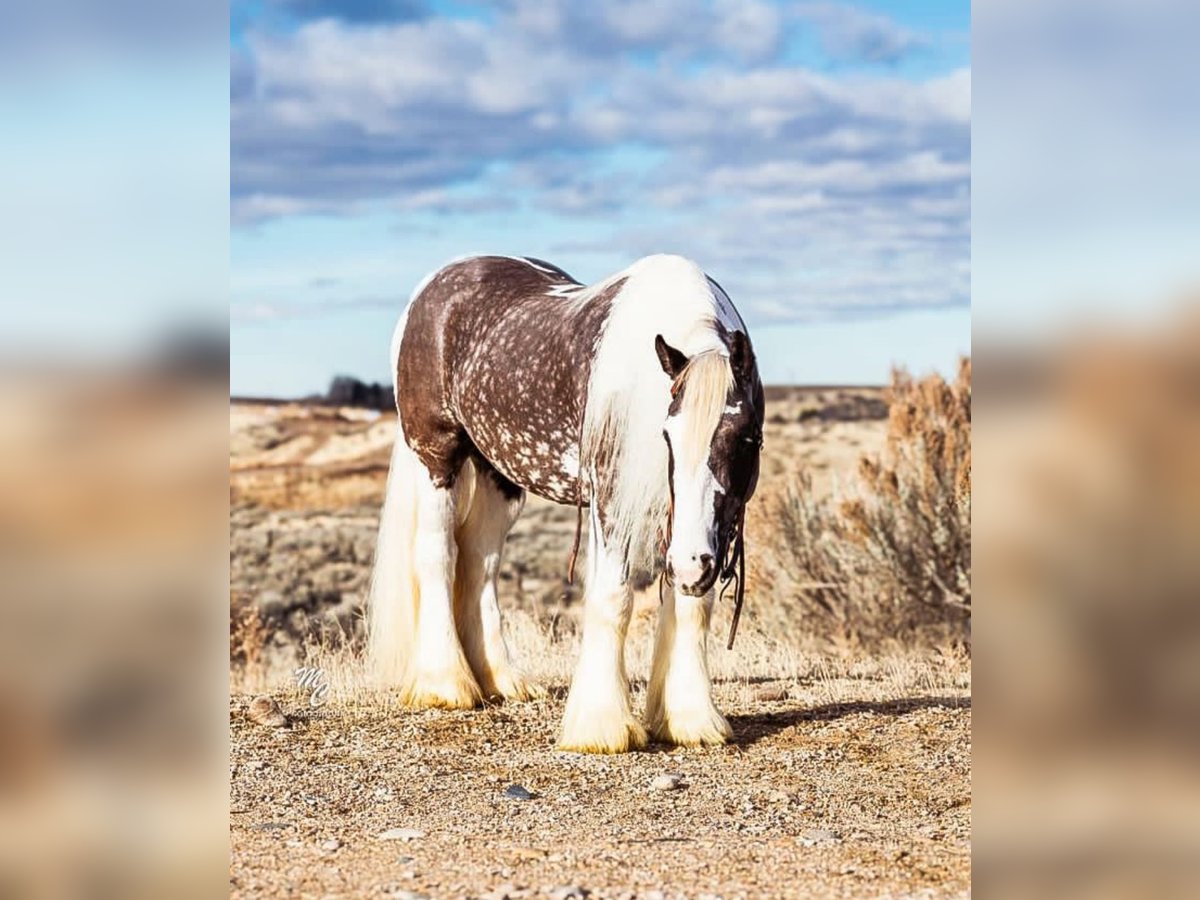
[395, 593]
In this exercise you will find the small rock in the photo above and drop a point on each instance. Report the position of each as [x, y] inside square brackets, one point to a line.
[394, 890]
[330, 845]
[667, 782]
[401, 834]
[517, 792]
[506, 892]
[771, 694]
[271, 826]
[567, 892]
[522, 854]
[405, 860]
[266, 712]
[816, 836]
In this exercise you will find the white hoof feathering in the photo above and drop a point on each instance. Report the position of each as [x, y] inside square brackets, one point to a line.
[445, 686]
[611, 728]
[513, 685]
[700, 726]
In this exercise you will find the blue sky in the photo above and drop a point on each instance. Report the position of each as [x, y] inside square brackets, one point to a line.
[814, 157]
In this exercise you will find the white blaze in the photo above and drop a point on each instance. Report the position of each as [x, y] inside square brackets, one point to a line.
[693, 526]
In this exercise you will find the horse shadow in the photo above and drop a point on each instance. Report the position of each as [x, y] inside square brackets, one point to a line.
[750, 728]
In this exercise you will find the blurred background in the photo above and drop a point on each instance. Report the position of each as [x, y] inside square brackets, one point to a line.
[1086, 441]
[113, 422]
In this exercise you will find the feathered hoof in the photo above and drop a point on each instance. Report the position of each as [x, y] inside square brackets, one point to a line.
[703, 727]
[514, 687]
[441, 690]
[602, 732]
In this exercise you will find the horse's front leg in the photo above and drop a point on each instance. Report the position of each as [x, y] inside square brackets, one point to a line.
[679, 704]
[598, 717]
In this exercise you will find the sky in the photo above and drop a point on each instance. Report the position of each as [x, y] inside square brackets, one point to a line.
[813, 157]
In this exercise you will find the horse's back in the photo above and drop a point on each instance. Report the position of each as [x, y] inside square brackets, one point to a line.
[490, 363]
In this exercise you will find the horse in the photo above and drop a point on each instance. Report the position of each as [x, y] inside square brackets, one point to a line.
[636, 398]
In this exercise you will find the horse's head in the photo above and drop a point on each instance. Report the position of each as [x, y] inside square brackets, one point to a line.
[714, 435]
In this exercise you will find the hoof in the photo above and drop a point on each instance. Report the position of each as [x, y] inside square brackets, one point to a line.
[693, 728]
[444, 690]
[515, 687]
[602, 732]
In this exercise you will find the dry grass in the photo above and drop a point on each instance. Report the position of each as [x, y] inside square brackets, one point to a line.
[248, 635]
[548, 651]
[891, 555]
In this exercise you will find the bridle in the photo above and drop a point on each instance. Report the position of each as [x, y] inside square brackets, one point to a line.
[732, 570]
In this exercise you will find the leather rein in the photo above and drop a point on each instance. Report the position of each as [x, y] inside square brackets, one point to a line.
[732, 571]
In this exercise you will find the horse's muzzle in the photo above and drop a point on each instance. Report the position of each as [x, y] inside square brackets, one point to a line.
[702, 584]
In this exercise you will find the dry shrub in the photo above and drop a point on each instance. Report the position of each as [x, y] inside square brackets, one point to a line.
[891, 557]
[247, 635]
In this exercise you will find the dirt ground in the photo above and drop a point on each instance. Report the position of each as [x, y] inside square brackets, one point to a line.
[849, 774]
[851, 799]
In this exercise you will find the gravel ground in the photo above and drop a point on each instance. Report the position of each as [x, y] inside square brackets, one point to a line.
[859, 798]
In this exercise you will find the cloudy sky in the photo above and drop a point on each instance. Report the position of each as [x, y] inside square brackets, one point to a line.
[814, 157]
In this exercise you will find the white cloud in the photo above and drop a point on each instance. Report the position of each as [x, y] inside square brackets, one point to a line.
[851, 33]
[834, 192]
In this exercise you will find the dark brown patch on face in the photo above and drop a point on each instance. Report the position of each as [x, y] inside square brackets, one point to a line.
[737, 441]
[491, 365]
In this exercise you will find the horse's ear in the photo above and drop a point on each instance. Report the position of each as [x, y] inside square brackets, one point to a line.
[671, 360]
[741, 358]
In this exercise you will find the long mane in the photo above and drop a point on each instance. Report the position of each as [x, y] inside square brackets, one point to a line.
[622, 449]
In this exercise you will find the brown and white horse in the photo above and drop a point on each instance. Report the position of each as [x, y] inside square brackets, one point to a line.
[637, 397]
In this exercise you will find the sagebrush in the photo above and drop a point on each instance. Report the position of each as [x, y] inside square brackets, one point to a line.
[890, 556]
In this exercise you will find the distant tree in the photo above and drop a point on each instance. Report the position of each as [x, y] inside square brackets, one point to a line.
[346, 390]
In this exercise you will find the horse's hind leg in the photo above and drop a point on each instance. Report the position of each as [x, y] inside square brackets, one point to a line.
[598, 717]
[476, 604]
[439, 674]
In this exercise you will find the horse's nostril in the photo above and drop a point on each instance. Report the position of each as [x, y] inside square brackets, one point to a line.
[706, 561]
